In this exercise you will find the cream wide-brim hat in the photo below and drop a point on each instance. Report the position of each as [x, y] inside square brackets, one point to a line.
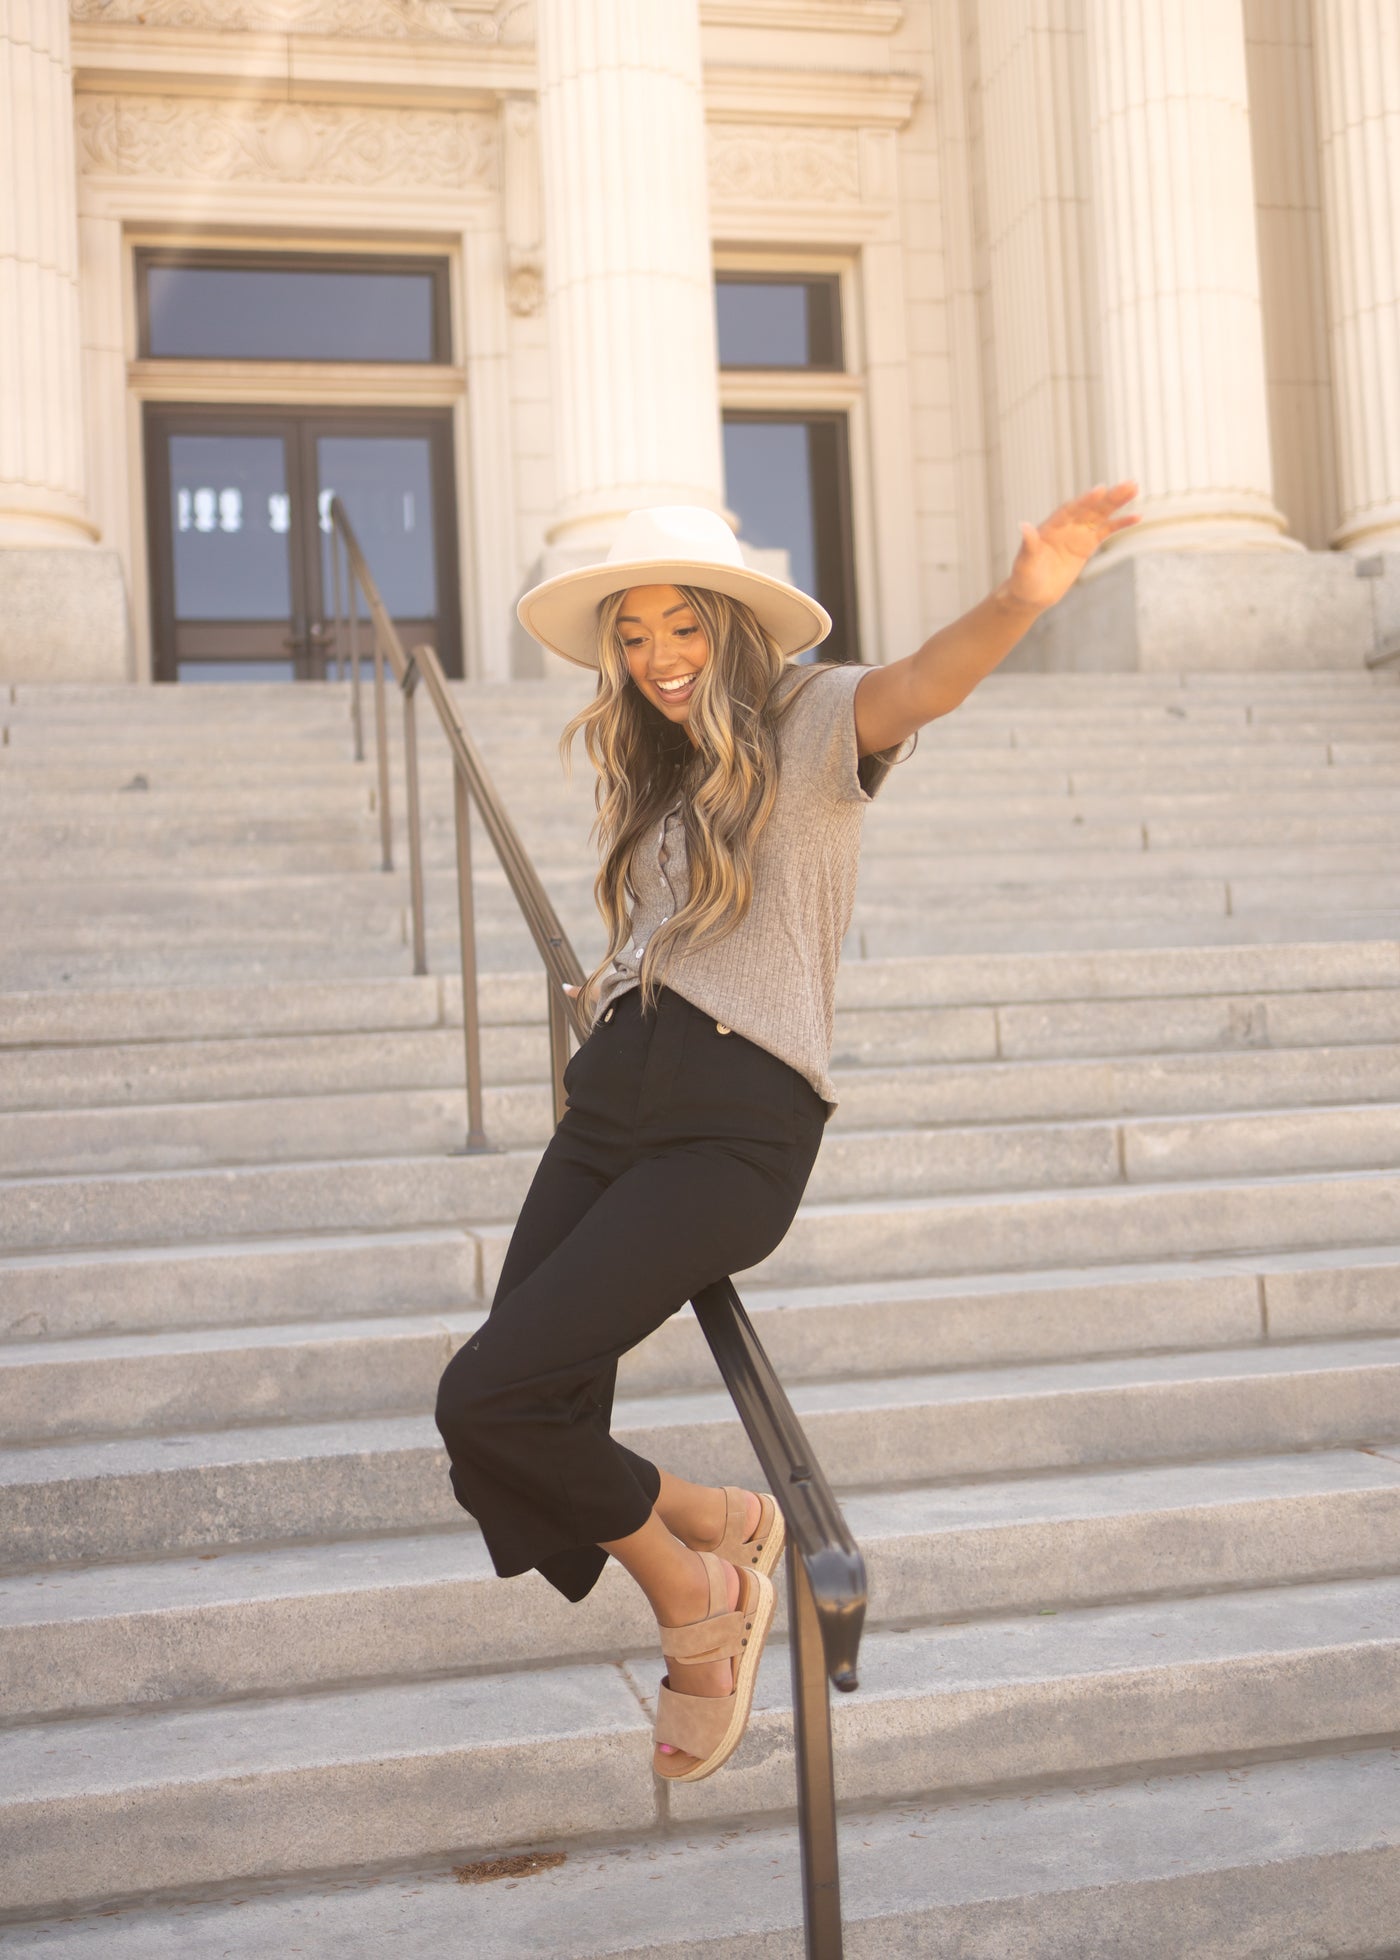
[669, 544]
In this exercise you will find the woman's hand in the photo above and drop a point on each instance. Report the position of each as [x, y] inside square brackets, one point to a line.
[892, 701]
[1053, 554]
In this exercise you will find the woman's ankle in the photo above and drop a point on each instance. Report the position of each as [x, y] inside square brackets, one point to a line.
[694, 1512]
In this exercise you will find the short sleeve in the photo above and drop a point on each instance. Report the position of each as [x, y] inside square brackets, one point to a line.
[821, 736]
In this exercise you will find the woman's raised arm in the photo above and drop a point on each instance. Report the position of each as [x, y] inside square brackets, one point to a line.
[891, 702]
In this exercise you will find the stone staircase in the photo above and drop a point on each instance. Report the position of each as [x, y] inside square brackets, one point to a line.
[1093, 1312]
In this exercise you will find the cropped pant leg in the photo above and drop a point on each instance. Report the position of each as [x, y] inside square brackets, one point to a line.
[634, 1208]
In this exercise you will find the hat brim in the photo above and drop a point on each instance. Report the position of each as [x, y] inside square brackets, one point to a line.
[562, 613]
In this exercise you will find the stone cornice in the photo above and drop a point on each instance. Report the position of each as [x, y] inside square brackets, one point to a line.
[200, 61]
[805, 16]
[809, 95]
[113, 56]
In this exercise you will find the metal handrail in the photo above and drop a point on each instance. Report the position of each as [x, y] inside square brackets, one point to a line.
[825, 1570]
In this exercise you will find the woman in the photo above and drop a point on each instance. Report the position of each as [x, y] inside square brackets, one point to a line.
[731, 790]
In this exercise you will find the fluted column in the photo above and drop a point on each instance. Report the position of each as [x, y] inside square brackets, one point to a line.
[1181, 332]
[627, 262]
[42, 479]
[1357, 54]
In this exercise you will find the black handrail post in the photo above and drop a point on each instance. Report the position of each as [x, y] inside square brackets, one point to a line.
[415, 832]
[816, 1777]
[352, 595]
[381, 745]
[466, 920]
[338, 601]
[558, 1044]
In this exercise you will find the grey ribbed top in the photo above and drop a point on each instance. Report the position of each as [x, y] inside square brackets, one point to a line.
[773, 978]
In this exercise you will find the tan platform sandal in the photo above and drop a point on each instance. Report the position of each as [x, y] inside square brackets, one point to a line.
[711, 1727]
[760, 1552]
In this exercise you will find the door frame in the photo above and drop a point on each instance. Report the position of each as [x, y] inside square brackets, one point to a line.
[303, 424]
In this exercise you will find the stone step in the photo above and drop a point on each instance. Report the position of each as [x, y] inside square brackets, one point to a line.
[90, 1384]
[995, 707]
[116, 964]
[249, 925]
[1287, 968]
[890, 937]
[239, 1282]
[42, 852]
[277, 897]
[1047, 1058]
[201, 821]
[268, 1128]
[197, 1491]
[191, 1194]
[904, 1131]
[1113, 771]
[1022, 728]
[899, 860]
[881, 1236]
[279, 1621]
[1251, 1863]
[140, 1803]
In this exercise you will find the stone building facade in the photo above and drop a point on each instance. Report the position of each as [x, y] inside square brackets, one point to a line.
[464, 257]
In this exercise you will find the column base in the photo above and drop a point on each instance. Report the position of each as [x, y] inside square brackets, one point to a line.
[63, 615]
[1217, 611]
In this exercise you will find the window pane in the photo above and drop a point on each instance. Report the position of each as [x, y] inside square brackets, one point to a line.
[230, 520]
[778, 322]
[235, 670]
[788, 480]
[256, 313]
[386, 486]
[768, 483]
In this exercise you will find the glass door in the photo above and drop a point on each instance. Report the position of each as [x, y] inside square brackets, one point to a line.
[240, 535]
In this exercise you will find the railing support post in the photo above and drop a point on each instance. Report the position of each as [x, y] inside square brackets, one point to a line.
[816, 1782]
[381, 743]
[558, 1044]
[356, 709]
[466, 917]
[415, 834]
[338, 601]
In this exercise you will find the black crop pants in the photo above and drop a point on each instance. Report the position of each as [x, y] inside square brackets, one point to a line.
[681, 1158]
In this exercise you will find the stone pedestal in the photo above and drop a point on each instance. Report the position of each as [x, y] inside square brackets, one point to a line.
[627, 265]
[1358, 96]
[1180, 325]
[1216, 611]
[63, 615]
[62, 603]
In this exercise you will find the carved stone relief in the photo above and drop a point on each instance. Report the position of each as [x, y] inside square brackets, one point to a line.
[524, 220]
[778, 163]
[284, 142]
[397, 20]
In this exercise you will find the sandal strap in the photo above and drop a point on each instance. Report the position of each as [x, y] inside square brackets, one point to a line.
[735, 1547]
[695, 1723]
[724, 1630]
[716, 1639]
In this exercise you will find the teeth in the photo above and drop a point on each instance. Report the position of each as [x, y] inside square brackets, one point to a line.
[673, 687]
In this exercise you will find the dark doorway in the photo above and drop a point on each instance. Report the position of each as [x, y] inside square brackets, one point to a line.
[787, 476]
[238, 514]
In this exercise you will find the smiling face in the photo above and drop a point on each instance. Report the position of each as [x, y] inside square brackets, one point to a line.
[665, 645]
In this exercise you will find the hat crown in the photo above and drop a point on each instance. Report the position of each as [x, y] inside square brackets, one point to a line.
[664, 533]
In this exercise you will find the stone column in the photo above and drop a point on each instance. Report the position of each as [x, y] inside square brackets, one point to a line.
[628, 284]
[43, 489]
[62, 603]
[1357, 54]
[1181, 334]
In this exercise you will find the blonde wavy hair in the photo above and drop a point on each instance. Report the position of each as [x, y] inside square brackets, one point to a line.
[726, 780]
